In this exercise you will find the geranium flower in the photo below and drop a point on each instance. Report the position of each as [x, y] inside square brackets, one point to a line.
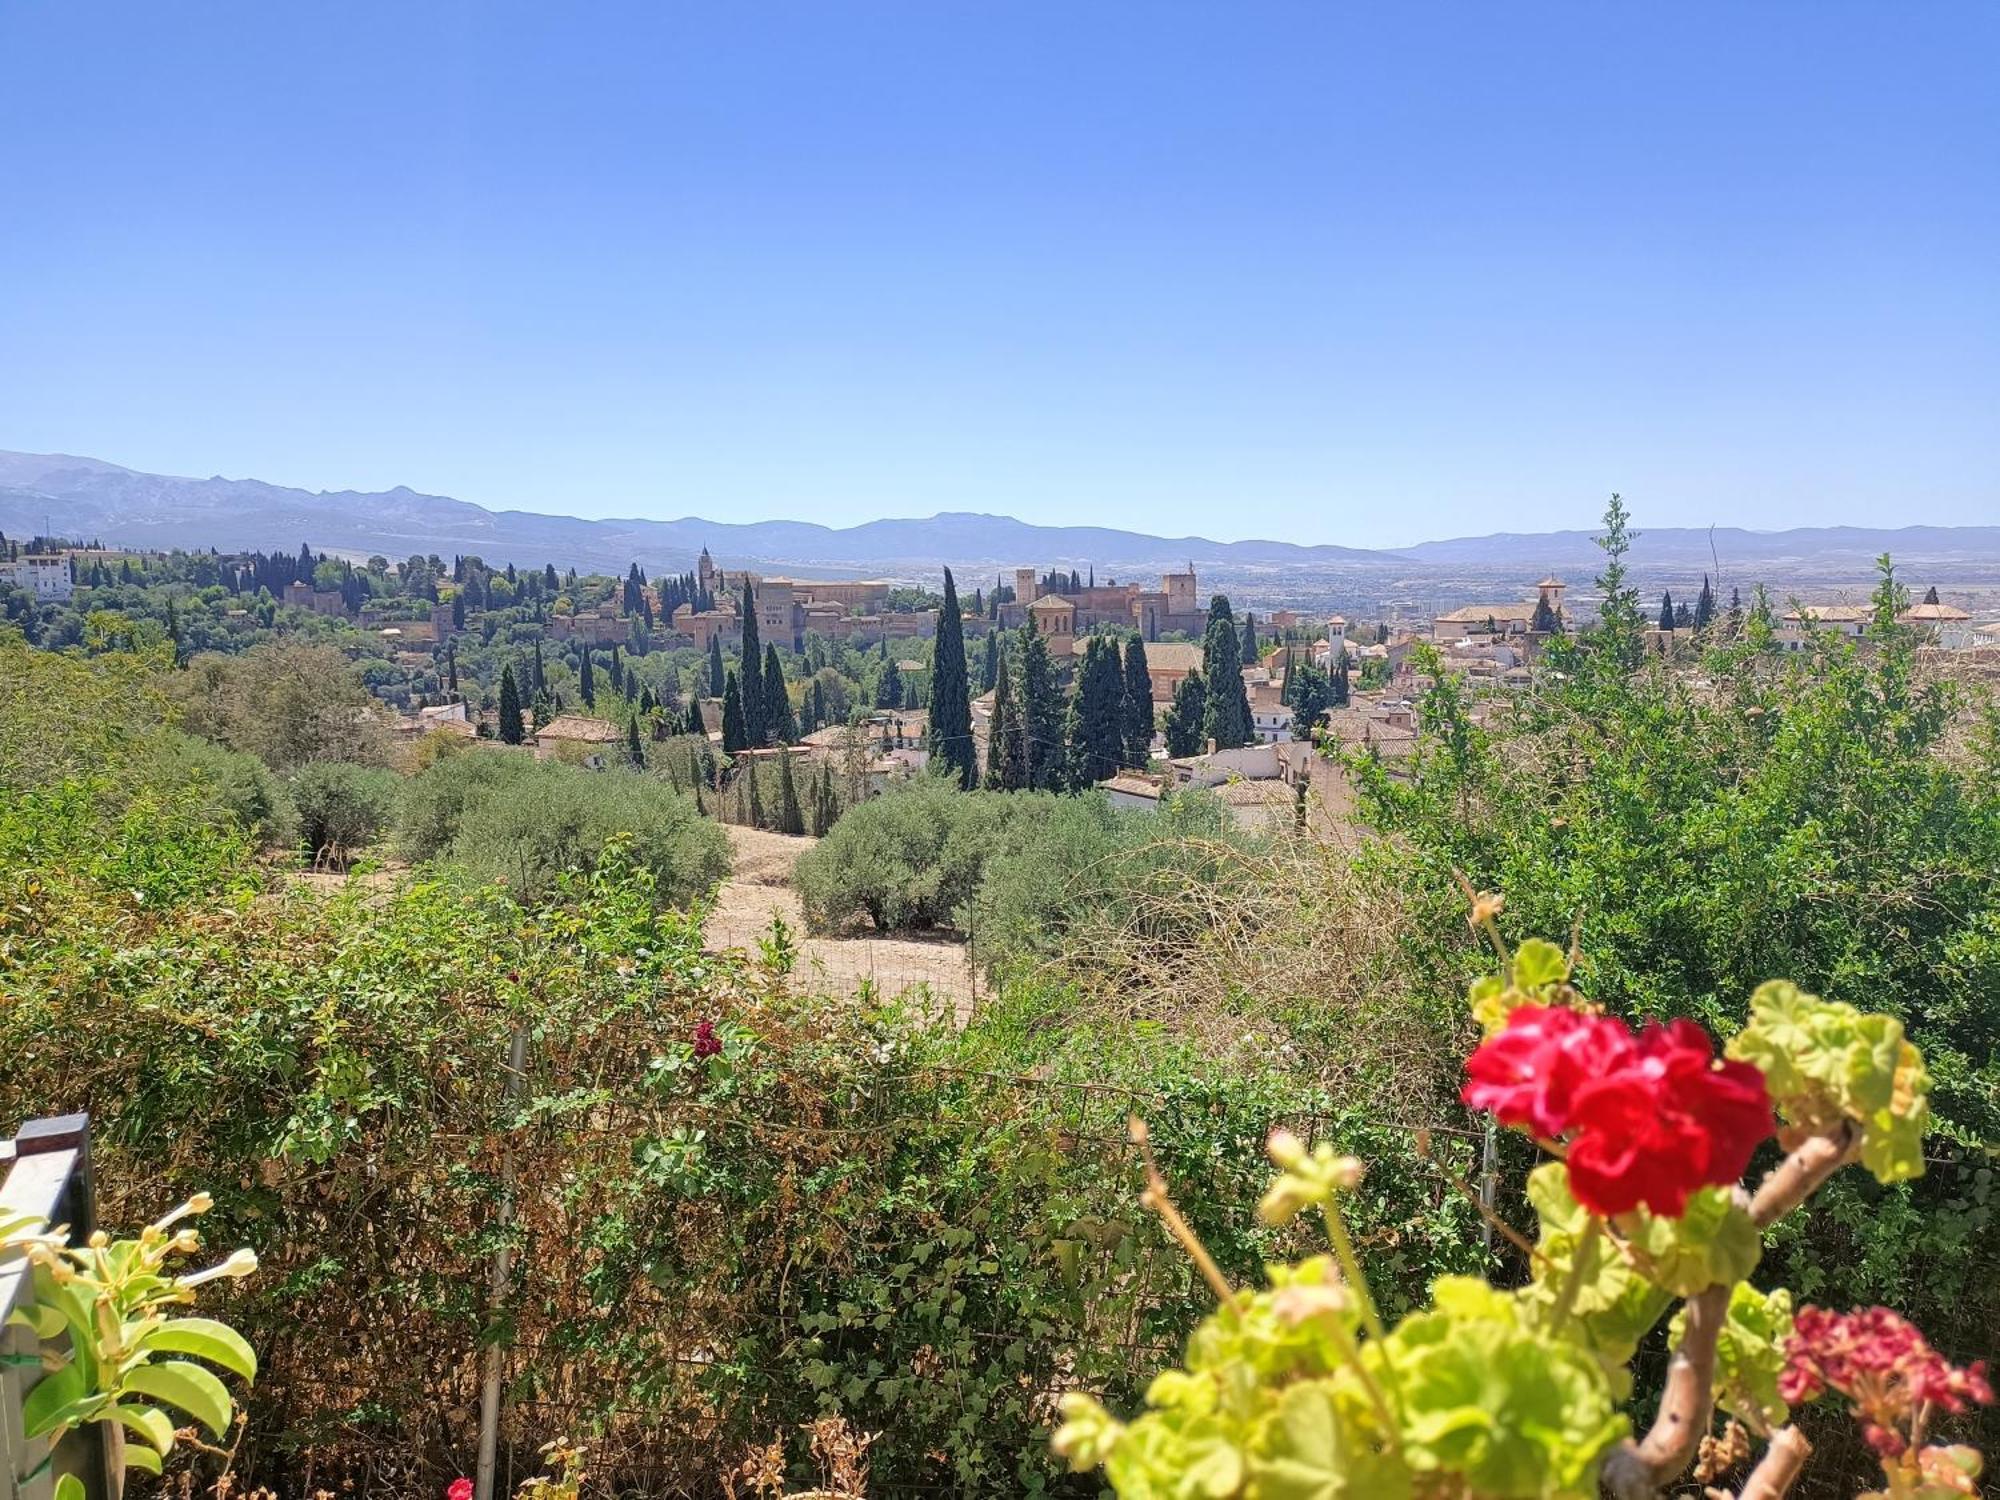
[459, 1489]
[1529, 1074]
[1668, 1121]
[1650, 1118]
[1883, 1365]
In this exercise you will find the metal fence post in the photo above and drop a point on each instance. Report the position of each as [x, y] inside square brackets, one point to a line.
[503, 1268]
[48, 1176]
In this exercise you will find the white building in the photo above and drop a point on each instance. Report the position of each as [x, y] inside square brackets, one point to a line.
[44, 577]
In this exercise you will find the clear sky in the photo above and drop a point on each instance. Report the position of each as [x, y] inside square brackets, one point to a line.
[1363, 274]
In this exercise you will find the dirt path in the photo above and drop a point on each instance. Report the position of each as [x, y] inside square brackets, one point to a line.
[760, 888]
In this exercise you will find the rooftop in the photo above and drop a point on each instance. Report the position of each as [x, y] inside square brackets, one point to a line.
[580, 727]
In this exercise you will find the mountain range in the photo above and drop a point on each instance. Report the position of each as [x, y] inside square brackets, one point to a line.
[125, 507]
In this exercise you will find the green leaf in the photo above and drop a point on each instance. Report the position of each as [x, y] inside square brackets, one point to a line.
[142, 1458]
[48, 1403]
[1539, 963]
[69, 1487]
[150, 1423]
[1825, 1062]
[1309, 1450]
[1713, 1243]
[215, 1342]
[188, 1387]
[1750, 1354]
[1493, 1400]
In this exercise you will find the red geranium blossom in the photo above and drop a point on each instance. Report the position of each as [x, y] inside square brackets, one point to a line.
[1529, 1074]
[1669, 1121]
[1880, 1362]
[1651, 1118]
[459, 1489]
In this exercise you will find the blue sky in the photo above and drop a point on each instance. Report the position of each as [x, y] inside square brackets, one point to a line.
[1333, 274]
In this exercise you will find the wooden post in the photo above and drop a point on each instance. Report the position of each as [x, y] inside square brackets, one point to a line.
[502, 1273]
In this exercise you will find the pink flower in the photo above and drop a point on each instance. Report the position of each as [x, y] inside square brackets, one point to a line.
[459, 1489]
[706, 1043]
[1883, 1365]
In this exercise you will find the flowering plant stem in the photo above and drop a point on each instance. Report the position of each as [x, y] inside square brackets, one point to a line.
[1779, 1468]
[1582, 1262]
[1350, 1267]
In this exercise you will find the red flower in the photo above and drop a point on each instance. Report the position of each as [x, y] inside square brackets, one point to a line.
[706, 1042]
[1880, 1362]
[1669, 1121]
[459, 1489]
[1650, 1118]
[1529, 1073]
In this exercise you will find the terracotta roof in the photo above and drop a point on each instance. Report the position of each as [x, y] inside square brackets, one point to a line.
[1048, 603]
[1924, 614]
[1479, 614]
[1132, 786]
[1173, 656]
[580, 727]
[1552, 582]
[1838, 613]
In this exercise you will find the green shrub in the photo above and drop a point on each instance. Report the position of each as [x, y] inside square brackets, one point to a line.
[236, 787]
[342, 808]
[504, 817]
[911, 858]
[435, 801]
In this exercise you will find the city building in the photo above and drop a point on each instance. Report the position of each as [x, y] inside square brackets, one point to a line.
[45, 575]
[1512, 618]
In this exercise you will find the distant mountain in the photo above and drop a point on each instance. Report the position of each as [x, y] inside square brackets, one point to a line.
[86, 496]
[123, 506]
[1687, 548]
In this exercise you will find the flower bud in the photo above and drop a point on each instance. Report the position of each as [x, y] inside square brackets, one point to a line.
[1285, 1149]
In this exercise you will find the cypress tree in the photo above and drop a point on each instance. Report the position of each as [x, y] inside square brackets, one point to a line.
[634, 751]
[715, 674]
[1186, 715]
[451, 670]
[1340, 694]
[1667, 610]
[778, 721]
[754, 799]
[1138, 705]
[1704, 605]
[586, 686]
[695, 723]
[1095, 731]
[826, 805]
[1930, 595]
[1228, 718]
[511, 731]
[989, 670]
[1249, 639]
[541, 680]
[950, 733]
[755, 707]
[819, 704]
[1006, 750]
[790, 818]
[889, 686]
[1041, 711]
[1310, 698]
[735, 733]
